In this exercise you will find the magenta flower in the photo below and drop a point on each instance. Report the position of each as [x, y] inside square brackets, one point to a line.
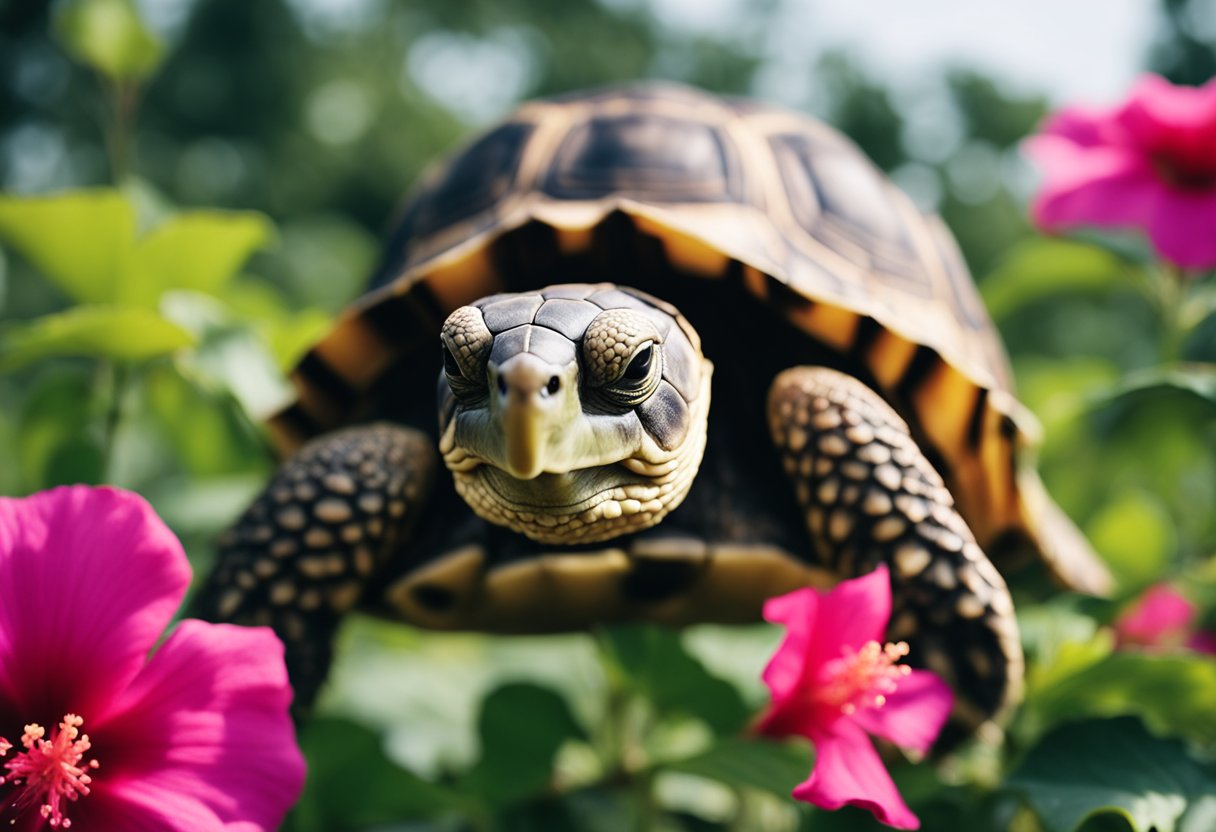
[1149, 163]
[196, 738]
[834, 682]
[1162, 619]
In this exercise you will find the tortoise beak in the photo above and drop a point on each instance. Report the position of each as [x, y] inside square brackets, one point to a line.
[529, 414]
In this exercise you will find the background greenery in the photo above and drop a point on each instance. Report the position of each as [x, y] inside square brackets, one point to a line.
[246, 157]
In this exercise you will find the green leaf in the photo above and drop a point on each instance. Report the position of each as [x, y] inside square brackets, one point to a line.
[198, 250]
[1136, 537]
[1043, 268]
[1193, 379]
[754, 763]
[109, 36]
[116, 333]
[55, 443]
[1172, 692]
[1111, 767]
[80, 240]
[522, 726]
[655, 662]
[352, 784]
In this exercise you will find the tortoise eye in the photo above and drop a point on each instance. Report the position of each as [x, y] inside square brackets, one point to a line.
[466, 345]
[639, 367]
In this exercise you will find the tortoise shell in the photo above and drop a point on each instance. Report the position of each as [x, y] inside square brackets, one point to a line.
[768, 229]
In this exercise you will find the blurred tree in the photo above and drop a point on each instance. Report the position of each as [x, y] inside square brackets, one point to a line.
[1185, 47]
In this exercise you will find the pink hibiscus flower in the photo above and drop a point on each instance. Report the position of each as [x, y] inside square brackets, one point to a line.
[1149, 163]
[834, 682]
[1162, 619]
[196, 738]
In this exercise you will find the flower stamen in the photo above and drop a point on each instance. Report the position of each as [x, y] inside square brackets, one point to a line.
[49, 771]
[863, 678]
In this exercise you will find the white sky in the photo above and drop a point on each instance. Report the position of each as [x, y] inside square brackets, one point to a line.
[1068, 49]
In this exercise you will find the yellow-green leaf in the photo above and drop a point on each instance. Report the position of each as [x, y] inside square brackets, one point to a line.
[109, 36]
[80, 240]
[117, 333]
[199, 250]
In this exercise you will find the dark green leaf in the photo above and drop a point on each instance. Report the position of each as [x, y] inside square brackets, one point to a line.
[1111, 767]
[55, 440]
[116, 333]
[754, 763]
[1043, 268]
[522, 726]
[655, 662]
[1193, 379]
[80, 240]
[352, 784]
[109, 36]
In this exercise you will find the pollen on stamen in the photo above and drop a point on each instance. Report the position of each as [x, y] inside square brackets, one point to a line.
[863, 678]
[48, 772]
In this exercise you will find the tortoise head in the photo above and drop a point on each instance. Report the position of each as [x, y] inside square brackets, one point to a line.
[573, 414]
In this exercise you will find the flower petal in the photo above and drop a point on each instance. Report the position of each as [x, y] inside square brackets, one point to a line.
[89, 577]
[204, 733]
[820, 626]
[1106, 187]
[797, 610]
[1162, 617]
[849, 771]
[1183, 227]
[913, 715]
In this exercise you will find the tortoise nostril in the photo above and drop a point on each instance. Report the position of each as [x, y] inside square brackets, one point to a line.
[502, 385]
[555, 384]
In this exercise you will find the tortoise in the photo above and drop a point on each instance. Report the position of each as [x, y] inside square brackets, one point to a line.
[691, 352]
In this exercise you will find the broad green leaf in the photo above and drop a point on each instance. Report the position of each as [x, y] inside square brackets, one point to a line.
[353, 785]
[522, 726]
[1042, 268]
[109, 36]
[655, 662]
[1135, 535]
[80, 240]
[230, 357]
[1173, 692]
[288, 332]
[1194, 379]
[203, 425]
[197, 250]
[1112, 767]
[754, 763]
[116, 333]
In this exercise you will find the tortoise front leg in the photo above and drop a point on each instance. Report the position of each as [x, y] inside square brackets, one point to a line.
[303, 552]
[870, 496]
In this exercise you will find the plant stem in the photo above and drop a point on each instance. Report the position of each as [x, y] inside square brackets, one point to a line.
[1172, 288]
[124, 101]
[118, 377]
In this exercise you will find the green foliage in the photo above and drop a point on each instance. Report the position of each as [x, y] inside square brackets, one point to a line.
[1042, 269]
[1136, 538]
[1174, 693]
[521, 726]
[109, 36]
[654, 663]
[752, 763]
[112, 332]
[1114, 767]
[138, 349]
[352, 784]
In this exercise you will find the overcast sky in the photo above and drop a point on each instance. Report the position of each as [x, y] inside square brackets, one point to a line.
[1069, 49]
